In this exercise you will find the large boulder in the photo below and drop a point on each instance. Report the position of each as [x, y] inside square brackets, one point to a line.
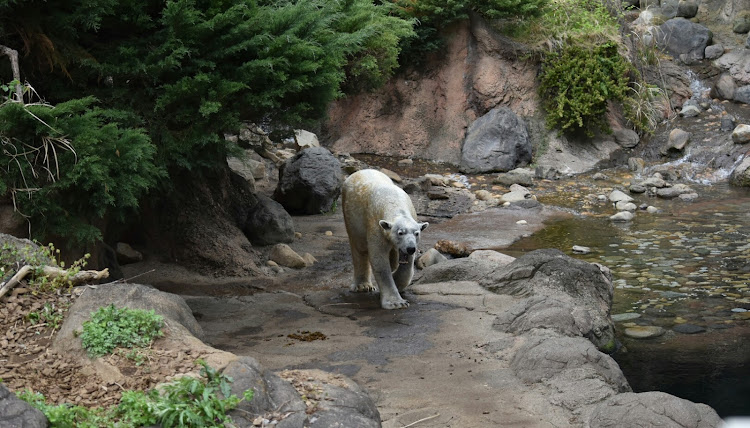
[172, 307]
[565, 295]
[737, 63]
[652, 409]
[497, 141]
[16, 413]
[682, 37]
[584, 289]
[331, 400]
[725, 87]
[310, 182]
[269, 223]
[542, 358]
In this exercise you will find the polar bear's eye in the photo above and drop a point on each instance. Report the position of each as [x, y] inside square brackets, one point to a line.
[401, 232]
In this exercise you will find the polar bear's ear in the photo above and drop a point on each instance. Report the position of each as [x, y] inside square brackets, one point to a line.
[385, 225]
[423, 226]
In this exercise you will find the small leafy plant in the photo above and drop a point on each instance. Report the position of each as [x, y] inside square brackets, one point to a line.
[111, 327]
[185, 402]
[48, 314]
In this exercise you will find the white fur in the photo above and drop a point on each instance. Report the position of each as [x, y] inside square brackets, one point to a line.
[383, 235]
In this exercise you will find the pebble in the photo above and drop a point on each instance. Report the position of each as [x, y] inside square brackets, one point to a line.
[625, 316]
[688, 328]
[622, 216]
[578, 249]
[644, 331]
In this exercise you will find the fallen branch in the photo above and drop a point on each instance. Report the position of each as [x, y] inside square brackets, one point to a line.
[52, 272]
[15, 279]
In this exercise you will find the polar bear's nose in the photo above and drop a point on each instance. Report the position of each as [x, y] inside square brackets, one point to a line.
[411, 250]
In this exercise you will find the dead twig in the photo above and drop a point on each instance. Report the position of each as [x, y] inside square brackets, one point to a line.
[421, 420]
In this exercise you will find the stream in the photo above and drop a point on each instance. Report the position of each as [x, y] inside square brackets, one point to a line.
[685, 269]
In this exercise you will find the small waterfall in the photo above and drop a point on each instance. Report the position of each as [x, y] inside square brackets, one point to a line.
[699, 89]
[710, 156]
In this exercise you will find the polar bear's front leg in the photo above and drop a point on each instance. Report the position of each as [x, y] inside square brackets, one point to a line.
[362, 272]
[389, 295]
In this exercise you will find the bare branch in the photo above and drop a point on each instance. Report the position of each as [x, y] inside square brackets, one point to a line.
[12, 54]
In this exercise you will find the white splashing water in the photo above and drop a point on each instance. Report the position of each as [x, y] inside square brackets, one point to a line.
[699, 89]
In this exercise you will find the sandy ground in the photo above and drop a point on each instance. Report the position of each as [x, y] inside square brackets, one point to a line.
[438, 362]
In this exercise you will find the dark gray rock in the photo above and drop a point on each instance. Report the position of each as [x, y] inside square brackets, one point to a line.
[16, 413]
[687, 8]
[522, 176]
[679, 36]
[636, 165]
[714, 51]
[741, 22]
[310, 182]
[727, 123]
[674, 191]
[271, 394]
[343, 404]
[652, 409]
[688, 328]
[497, 141]
[741, 174]
[626, 138]
[742, 94]
[268, 223]
[669, 8]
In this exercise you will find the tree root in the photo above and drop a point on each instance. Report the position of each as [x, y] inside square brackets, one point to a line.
[52, 272]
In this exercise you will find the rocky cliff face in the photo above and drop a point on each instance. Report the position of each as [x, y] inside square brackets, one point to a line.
[426, 115]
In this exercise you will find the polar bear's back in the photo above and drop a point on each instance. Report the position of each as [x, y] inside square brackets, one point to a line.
[371, 195]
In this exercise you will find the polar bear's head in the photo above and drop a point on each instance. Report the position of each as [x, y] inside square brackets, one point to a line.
[404, 233]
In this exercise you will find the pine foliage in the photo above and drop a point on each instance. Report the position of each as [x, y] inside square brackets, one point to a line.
[141, 87]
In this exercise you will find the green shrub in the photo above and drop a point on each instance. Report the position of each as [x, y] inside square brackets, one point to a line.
[576, 84]
[110, 327]
[185, 402]
[69, 166]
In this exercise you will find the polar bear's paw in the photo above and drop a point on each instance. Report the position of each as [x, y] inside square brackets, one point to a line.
[394, 304]
[364, 287]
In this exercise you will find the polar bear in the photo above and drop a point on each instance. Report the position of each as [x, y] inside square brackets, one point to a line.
[383, 235]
